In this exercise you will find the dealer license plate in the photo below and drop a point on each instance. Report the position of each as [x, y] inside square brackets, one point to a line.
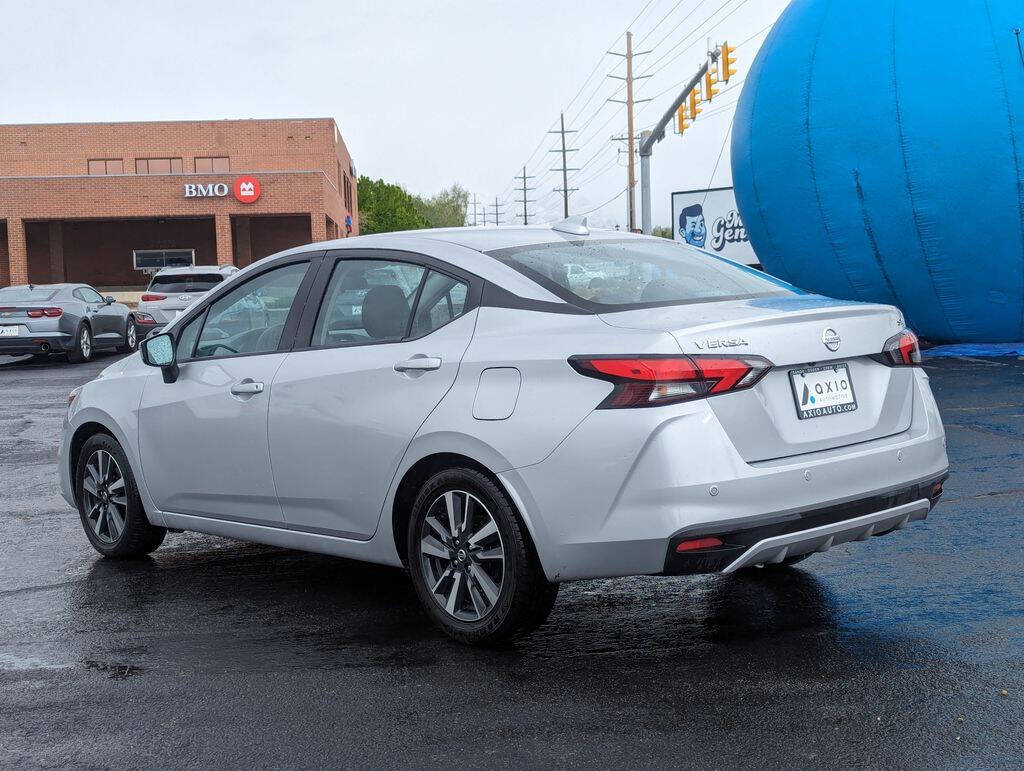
[9, 331]
[821, 391]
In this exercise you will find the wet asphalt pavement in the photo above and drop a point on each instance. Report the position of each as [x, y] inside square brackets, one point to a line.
[213, 653]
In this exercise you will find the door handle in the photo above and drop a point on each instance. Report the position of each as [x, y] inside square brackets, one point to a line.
[247, 388]
[418, 364]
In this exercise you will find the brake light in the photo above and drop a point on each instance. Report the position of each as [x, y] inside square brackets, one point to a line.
[902, 350]
[152, 298]
[38, 313]
[653, 381]
[144, 318]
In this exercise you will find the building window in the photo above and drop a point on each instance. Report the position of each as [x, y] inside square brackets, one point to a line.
[152, 260]
[347, 192]
[219, 165]
[158, 165]
[106, 166]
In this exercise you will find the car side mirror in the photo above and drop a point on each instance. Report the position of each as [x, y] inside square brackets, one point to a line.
[158, 351]
[109, 300]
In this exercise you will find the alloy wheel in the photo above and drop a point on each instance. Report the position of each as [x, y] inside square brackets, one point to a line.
[132, 338]
[462, 555]
[85, 343]
[104, 496]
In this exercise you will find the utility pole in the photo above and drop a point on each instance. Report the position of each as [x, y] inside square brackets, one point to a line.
[497, 212]
[564, 189]
[475, 207]
[630, 102]
[525, 200]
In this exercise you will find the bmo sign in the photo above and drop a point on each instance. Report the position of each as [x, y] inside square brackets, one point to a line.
[245, 190]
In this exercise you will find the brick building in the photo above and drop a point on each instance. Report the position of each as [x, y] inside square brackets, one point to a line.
[105, 203]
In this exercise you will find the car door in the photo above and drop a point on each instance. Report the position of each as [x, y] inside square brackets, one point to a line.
[382, 349]
[203, 438]
[103, 319]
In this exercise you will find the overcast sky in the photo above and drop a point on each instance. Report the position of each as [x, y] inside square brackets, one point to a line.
[425, 93]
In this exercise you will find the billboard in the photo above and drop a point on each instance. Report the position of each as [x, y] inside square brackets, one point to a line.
[710, 220]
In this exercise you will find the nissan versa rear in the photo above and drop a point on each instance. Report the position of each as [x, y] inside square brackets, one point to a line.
[503, 410]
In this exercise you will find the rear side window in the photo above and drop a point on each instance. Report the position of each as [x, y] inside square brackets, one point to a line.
[443, 299]
[23, 294]
[367, 301]
[605, 276]
[190, 282]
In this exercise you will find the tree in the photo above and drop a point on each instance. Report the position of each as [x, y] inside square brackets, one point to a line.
[447, 209]
[385, 207]
[662, 232]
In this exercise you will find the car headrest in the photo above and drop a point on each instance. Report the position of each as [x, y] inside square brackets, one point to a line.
[385, 312]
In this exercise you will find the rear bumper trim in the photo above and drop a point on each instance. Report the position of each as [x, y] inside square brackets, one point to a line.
[776, 549]
[798, 532]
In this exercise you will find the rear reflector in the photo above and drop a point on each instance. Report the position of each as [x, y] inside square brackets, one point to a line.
[698, 543]
[652, 381]
[152, 298]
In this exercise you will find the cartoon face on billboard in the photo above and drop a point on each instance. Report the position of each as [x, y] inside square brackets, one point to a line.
[692, 227]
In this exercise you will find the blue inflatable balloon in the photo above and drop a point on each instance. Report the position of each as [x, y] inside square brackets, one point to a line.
[878, 154]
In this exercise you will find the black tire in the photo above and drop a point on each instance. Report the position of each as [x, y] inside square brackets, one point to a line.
[136, 536]
[82, 349]
[525, 597]
[131, 336]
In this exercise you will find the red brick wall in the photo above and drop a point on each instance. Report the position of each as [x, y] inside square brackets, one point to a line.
[48, 150]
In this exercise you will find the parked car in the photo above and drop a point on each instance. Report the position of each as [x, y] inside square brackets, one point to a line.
[43, 319]
[172, 290]
[446, 401]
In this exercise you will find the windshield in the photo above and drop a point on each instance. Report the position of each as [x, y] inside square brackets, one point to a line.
[188, 282]
[39, 294]
[619, 275]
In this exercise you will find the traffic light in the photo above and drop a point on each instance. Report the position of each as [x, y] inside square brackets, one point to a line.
[710, 92]
[682, 119]
[728, 60]
[694, 109]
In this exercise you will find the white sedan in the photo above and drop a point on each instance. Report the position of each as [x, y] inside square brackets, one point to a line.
[457, 402]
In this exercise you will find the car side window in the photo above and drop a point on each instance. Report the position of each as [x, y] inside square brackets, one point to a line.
[250, 318]
[367, 301]
[187, 339]
[443, 299]
[85, 294]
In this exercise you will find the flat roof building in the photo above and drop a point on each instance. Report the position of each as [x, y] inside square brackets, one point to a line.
[109, 203]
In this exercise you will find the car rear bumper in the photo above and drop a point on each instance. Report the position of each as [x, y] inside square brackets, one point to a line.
[626, 485]
[36, 342]
[775, 538]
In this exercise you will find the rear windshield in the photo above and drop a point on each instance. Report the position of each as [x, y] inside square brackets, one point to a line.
[619, 275]
[189, 282]
[23, 294]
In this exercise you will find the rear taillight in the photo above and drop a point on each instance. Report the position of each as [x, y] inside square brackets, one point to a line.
[902, 350]
[144, 318]
[152, 298]
[653, 381]
[38, 313]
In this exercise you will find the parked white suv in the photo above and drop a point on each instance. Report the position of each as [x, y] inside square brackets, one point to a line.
[172, 290]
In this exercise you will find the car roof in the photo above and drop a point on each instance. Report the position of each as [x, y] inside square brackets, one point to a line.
[193, 269]
[486, 239]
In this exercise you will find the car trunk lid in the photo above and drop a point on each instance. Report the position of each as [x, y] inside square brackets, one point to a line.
[795, 334]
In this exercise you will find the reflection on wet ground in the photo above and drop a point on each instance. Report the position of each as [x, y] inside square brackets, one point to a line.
[891, 652]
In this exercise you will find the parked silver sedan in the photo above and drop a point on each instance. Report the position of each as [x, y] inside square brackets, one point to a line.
[43, 319]
[172, 290]
[455, 402]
